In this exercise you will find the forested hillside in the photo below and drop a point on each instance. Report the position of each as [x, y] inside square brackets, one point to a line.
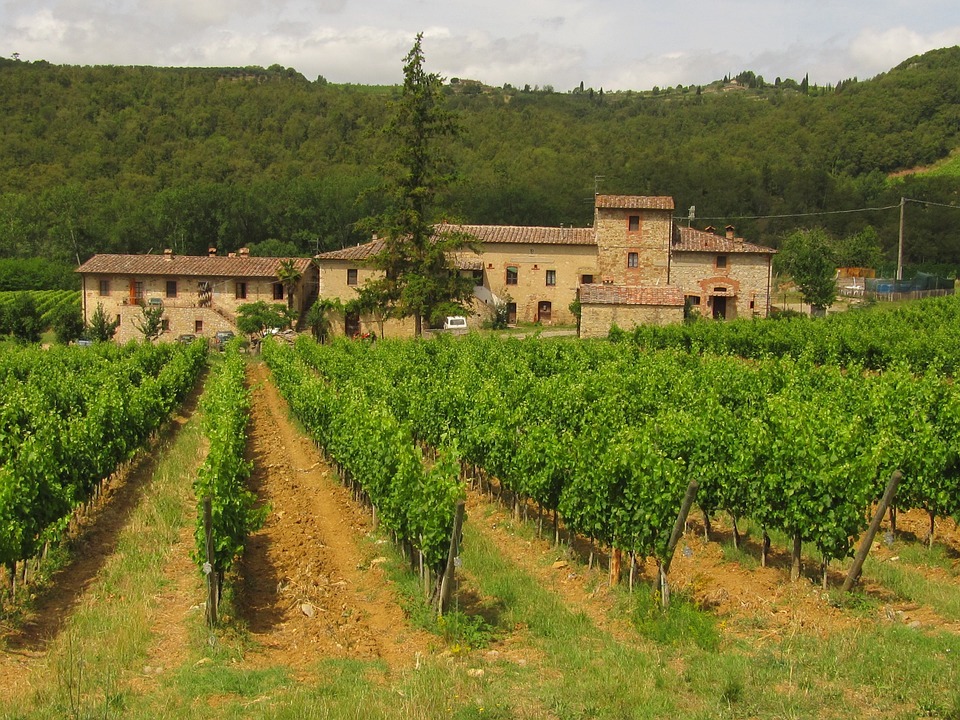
[134, 159]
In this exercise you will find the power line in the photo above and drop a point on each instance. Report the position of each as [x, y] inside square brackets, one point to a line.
[824, 212]
[930, 202]
[809, 214]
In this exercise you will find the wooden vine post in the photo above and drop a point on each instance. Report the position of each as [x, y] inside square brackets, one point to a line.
[446, 583]
[867, 542]
[209, 567]
[688, 498]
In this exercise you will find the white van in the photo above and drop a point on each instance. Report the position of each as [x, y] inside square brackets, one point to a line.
[455, 324]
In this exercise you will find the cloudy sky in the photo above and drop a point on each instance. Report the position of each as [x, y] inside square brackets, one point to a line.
[613, 44]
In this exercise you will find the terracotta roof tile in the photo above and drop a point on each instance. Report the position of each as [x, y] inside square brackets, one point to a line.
[187, 265]
[525, 235]
[691, 240]
[634, 202]
[595, 294]
[484, 234]
[356, 252]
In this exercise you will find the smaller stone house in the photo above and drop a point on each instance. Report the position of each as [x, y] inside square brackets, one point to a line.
[722, 277]
[199, 294]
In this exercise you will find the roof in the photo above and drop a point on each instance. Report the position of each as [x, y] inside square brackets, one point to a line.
[188, 265]
[631, 295]
[634, 202]
[691, 240]
[492, 234]
[355, 252]
[483, 234]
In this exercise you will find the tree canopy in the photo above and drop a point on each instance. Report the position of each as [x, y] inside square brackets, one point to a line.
[129, 159]
[420, 279]
[808, 257]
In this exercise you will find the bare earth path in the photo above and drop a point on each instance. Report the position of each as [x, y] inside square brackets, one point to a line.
[307, 590]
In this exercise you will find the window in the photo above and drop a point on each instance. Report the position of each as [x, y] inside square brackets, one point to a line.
[351, 324]
[633, 223]
[171, 288]
[164, 325]
[198, 326]
[692, 300]
[512, 275]
[352, 276]
[586, 279]
[278, 291]
[240, 293]
[721, 261]
[633, 260]
[104, 287]
[551, 277]
[138, 290]
[478, 277]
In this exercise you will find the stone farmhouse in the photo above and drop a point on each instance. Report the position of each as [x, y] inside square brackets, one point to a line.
[636, 265]
[199, 294]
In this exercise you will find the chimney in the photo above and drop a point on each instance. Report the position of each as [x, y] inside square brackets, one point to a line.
[212, 252]
[244, 252]
[731, 232]
[167, 254]
[709, 229]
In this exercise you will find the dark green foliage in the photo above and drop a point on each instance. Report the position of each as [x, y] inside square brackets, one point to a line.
[37, 274]
[274, 248]
[21, 318]
[125, 159]
[67, 323]
[420, 280]
[809, 258]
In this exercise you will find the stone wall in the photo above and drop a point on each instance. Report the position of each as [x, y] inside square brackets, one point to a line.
[746, 276]
[568, 263]
[650, 241]
[596, 320]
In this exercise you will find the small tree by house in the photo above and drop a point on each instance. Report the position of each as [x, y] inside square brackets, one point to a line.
[255, 319]
[318, 317]
[150, 322]
[101, 328]
[67, 323]
[808, 257]
[289, 276]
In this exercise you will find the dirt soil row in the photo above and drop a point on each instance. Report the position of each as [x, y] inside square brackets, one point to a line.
[308, 588]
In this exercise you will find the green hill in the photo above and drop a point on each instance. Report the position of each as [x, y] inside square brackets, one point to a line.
[136, 159]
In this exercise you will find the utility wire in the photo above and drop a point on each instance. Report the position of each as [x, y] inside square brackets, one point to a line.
[822, 212]
[792, 215]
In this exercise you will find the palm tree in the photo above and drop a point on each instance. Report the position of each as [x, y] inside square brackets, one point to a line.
[318, 317]
[289, 275]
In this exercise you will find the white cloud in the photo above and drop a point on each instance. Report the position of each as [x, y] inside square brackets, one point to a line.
[880, 50]
[614, 44]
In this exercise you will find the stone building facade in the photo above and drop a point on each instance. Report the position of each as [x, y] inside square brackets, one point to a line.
[722, 277]
[534, 271]
[635, 265]
[199, 294]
